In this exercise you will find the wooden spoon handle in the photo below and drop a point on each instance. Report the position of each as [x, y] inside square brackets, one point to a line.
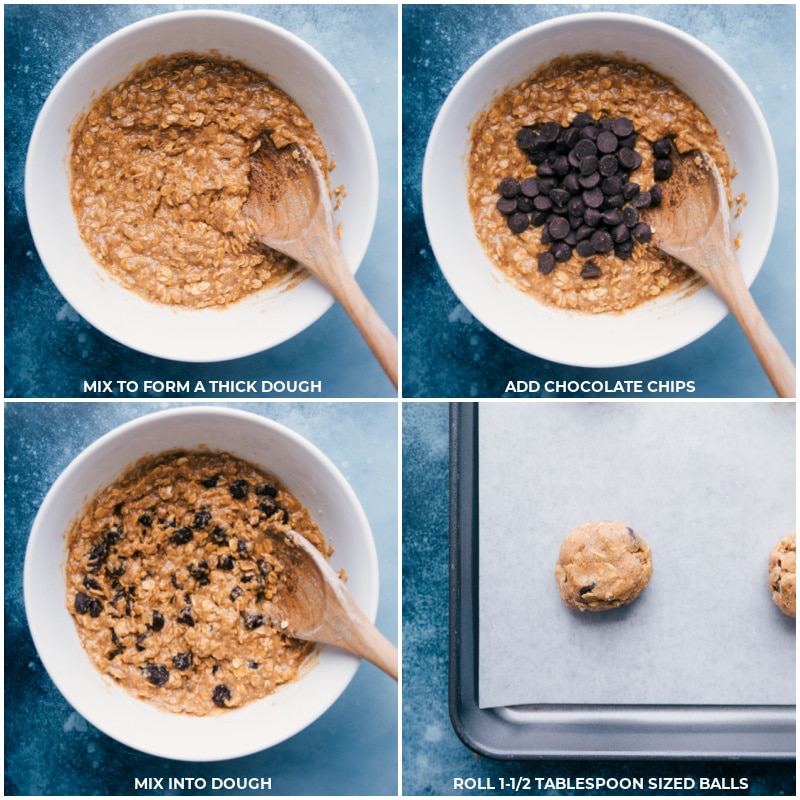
[332, 270]
[769, 351]
[369, 643]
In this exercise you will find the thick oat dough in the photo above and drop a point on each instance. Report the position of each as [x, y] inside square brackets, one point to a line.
[558, 91]
[602, 565]
[783, 574]
[160, 170]
[168, 572]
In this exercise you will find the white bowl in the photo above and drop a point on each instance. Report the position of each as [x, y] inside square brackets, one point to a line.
[306, 472]
[259, 321]
[604, 340]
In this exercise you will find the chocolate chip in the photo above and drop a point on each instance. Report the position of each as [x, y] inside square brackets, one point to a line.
[630, 190]
[558, 227]
[549, 131]
[237, 592]
[82, 602]
[620, 233]
[146, 520]
[561, 251]
[582, 120]
[592, 217]
[585, 248]
[560, 197]
[641, 232]
[542, 202]
[529, 187]
[622, 126]
[525, 138]
[538, 218]
[612, 217]
[218, 536]
[662, 148]
[629, 159]
[642, 200]
[200, 573]
[253, 621]
[507, 205]
[590, 270]
[182, 536]
[221, 695]
[226, 562]
[624, 250]
[607, 142]
[602, 242]
[239, 489]
[590, 181]
[182, 661]
[612, 185]
[545, 170]
[158, 621]
[593, 197]
[561, 166]
[518, 222]
[588, 165]
[586, 589]
[202, 518]
[546, 263]
[589, 132]
[662, 169]
[656, 196]
[524, 204]
[185, 616]
[585, 148]
[608, 166]
[630, 215]
[211, 482]
[157, 674]
[571, 183]
[509, 187]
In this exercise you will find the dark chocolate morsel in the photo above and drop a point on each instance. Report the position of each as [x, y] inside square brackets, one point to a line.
[590, 270]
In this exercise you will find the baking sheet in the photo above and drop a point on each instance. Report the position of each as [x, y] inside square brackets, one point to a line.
[710, 486]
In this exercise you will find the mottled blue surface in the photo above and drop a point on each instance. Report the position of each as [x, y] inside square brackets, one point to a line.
[51, 750]
[446, 352]
[50, 350]
[432, 754]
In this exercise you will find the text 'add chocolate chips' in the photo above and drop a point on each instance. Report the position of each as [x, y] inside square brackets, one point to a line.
[582, 196]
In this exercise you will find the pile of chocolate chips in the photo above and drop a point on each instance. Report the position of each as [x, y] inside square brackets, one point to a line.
[582, 193]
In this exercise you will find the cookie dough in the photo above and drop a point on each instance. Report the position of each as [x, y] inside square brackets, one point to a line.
[603, 565]
[782, 574]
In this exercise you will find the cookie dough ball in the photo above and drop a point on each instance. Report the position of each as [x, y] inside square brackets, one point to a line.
[782, 574]
[602, 565]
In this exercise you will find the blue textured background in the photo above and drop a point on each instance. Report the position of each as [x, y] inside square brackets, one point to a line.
[446, 352]
[49, 349]
[433, 755]
[51, 750]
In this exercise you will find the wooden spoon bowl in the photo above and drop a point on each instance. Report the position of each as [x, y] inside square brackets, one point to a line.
[311, 603]
[291, 210]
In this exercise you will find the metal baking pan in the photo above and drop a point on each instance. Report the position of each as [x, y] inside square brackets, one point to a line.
[575, 731]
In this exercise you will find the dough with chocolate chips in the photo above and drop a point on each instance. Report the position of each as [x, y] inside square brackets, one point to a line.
[783, 574]
[602, 565]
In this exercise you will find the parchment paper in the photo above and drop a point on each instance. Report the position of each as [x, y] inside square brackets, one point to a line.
[710, 487]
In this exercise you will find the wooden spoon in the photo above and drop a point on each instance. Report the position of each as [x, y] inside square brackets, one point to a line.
[693, 224]
[290, 206]
[311, 603]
